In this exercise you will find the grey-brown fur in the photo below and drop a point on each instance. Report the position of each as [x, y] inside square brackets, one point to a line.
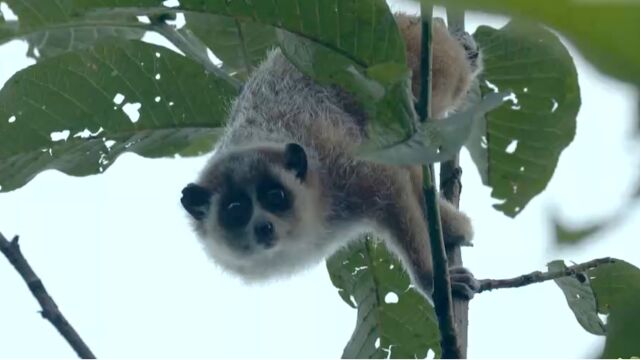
[340, 197]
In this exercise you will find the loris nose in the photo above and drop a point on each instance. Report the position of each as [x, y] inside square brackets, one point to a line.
[264, 233]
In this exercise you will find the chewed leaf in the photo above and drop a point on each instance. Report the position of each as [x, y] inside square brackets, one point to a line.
[580, 298]
[435, 140]
[79, 111]
[617, 288]
[394, 320]
[518, 152]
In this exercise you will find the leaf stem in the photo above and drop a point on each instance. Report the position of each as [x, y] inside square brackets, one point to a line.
[50, 311]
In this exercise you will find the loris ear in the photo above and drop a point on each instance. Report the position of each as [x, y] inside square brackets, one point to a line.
[196, 199]
[295, 159]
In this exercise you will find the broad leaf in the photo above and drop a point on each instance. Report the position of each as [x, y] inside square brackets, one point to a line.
[580, 298]
[52, 28]
[394, 320]
[617, 288]
[351, 27]
[523, 141]
[68, 113]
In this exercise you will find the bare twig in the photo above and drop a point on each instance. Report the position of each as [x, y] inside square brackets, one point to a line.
[442, 298]
[538, 276]
[50, 311]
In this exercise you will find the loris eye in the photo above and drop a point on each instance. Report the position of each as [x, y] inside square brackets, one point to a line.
[273, 197]
[235, 211]
[276, 197]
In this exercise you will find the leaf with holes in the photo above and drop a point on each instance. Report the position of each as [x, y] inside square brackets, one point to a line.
[79, 111]
[52, 28]
[617, 289]
[524, 141]
[394, 320]
[364, 31]
[580, 297]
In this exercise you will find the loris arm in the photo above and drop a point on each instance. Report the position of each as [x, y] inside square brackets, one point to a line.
[456, 62]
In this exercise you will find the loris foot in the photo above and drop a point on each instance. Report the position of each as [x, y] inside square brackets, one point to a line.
[463, 283]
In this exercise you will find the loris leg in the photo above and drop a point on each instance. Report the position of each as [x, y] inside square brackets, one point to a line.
[456, 230]
[456, 226]
[401, 216]
[410, 239]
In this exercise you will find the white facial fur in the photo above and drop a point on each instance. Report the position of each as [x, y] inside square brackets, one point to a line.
[301, 239]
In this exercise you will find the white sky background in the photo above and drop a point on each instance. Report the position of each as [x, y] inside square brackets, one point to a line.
[116, 252]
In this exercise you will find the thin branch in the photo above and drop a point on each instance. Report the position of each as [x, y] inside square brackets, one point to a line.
[243, 46]
[50, 311]
[451, 188]
[538, 276]
[442, 298]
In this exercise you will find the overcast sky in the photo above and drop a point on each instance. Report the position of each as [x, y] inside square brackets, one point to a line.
[117, 254]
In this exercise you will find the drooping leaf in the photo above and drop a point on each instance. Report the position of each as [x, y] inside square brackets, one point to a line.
[580, 298]
[525, 140]
[394, 320]
[437, 140]
[617, 289]
[67, 113]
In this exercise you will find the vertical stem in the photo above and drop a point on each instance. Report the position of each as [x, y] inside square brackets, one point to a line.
[442, 288]
[451, 187]
[424, 103]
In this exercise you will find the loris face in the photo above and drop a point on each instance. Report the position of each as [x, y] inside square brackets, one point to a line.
[256, 210]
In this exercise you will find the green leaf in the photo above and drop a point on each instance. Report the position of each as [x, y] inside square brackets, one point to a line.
[436, 140]
[51, 28]
[604, 31]
[181, 110]
[524, 141]
[617, 289]
[391, 314]
[353, 28]
[580, 298]
[566, 235]
[240, 45]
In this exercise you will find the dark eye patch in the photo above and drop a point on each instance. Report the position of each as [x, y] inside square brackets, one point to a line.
[235, 210]
[273, 196]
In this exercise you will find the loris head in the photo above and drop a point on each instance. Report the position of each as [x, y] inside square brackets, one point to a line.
[257, 210]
